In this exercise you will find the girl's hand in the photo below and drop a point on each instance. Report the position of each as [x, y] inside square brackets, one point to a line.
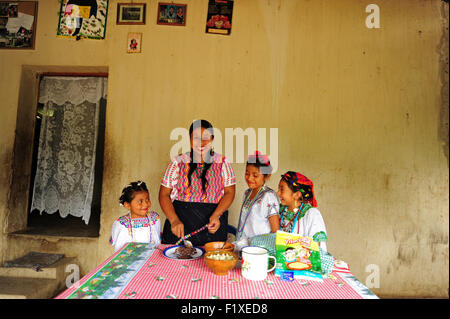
[214, 224]
[177, 228]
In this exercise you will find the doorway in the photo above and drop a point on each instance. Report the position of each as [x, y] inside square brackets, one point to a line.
[53, 222]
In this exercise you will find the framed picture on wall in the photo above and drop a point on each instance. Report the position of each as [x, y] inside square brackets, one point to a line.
[134, 42]
[131, 13]
[171, 14]
[18, 24]
[220, 14]
[82, 19]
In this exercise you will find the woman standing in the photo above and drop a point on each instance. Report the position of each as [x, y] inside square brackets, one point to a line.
[197, 188]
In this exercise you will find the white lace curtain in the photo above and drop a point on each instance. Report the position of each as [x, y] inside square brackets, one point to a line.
[64, 178]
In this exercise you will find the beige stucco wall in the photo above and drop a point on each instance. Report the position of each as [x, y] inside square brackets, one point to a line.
[358, 110]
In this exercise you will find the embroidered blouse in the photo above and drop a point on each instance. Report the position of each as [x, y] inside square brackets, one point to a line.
[220, 175]
[254, 217]
[309, 223]
[143, 230]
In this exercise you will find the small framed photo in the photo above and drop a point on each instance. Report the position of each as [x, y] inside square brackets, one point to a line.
[134, 42]
[171, 14]
[131, 13]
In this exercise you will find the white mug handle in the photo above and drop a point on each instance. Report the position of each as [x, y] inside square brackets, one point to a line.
[275, 264]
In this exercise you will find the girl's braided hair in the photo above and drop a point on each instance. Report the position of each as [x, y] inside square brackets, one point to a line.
[129, 190]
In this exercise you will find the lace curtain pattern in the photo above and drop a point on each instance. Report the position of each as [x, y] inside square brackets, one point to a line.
[64, 178]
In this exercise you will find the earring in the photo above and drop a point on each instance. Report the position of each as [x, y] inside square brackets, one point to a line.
[296, 206]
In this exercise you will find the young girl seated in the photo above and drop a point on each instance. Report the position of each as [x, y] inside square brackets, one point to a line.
[298, 212]
[260, 206]
[139, 225]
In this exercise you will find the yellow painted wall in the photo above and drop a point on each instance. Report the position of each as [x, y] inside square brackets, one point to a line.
[358, 111]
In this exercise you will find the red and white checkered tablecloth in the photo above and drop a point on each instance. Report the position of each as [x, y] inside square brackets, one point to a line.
[160, 278]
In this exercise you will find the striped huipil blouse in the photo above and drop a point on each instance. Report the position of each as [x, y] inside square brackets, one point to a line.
[219, 175]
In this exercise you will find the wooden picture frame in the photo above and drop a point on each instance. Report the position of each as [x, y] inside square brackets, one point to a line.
[131, 13]
[18, 24]
[171, 14]
[134, 42]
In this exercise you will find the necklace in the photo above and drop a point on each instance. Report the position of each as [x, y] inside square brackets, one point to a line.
[241, 228]
[130, 229]
[293, 221]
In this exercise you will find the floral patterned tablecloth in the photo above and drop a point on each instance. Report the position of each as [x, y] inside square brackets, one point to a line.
[141, 272]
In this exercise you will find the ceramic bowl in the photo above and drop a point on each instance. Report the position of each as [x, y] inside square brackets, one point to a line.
[220, 267]
[217, 245]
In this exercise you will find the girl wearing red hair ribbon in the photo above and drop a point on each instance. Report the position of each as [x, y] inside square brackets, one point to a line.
[298, 209]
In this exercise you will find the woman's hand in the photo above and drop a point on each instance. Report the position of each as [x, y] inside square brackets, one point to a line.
[177, 228]
[214, 224]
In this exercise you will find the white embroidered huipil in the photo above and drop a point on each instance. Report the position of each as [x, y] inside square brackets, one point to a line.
[307, 225]
[145, 230]
[311, 224]
[254, 217]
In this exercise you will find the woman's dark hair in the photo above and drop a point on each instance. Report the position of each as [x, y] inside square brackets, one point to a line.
[261, 162]
[128, 192]
[193, 165]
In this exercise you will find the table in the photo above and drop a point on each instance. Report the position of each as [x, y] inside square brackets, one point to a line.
[141, 272]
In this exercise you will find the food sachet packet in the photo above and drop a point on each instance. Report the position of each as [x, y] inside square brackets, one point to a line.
[299, 255]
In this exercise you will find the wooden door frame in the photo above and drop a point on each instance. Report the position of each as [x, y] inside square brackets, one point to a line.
[18, 196]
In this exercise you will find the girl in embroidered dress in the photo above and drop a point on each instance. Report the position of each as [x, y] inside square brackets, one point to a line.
[139, 225]
[298, 212]
[260, 205]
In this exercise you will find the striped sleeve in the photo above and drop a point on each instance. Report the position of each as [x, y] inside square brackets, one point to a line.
[228, 176]
[170, 177]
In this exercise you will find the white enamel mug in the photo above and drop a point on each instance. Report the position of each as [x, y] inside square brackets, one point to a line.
[255, 261]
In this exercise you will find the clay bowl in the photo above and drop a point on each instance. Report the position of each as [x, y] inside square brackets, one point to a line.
[217, 245]
[220, 267]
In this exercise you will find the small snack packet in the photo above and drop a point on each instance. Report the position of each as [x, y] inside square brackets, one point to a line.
[297, 255]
